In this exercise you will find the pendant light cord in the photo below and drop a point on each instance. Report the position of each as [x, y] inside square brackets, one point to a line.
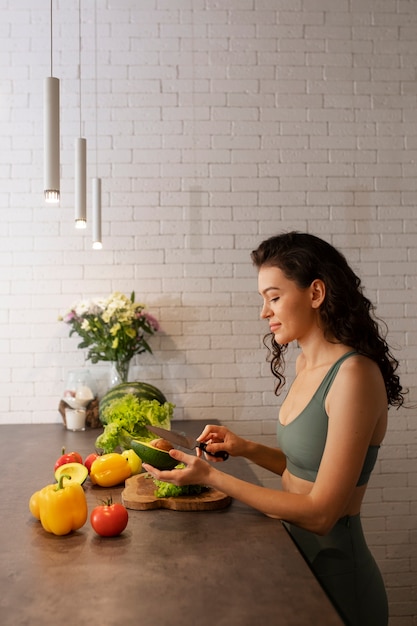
[96, 83]
[51, 38]
[79, 55]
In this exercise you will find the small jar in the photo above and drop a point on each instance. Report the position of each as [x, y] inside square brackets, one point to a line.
[80, 389]
[75, 419]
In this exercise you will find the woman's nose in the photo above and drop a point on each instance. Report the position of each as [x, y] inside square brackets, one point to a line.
[265, 312]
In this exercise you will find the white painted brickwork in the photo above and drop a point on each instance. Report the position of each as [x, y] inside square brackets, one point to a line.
[218, 124]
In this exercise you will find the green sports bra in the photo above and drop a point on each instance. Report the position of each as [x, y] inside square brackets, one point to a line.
[304, 438]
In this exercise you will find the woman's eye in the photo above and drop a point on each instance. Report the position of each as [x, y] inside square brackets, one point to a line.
[275, 299]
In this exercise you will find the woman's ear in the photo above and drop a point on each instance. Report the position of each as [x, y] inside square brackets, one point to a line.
[318, 293]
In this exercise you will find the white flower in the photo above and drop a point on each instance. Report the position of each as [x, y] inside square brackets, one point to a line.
[112, 328]
[82, 308]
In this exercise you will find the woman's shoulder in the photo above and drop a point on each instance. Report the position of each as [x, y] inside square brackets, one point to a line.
[360, 363]
[358, 394]
[361, 372]
[352, 364]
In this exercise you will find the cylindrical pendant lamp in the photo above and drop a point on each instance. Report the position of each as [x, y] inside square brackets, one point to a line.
[96, 200]
[51, 136]
[80, 183]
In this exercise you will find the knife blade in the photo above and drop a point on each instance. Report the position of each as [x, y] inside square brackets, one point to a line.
[180, 439]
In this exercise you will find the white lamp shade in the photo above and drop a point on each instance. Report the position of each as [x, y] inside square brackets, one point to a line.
[51, 139]
[80, 182]
[96, 200]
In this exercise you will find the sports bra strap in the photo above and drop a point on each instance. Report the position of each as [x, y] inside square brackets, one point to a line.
[327, 381]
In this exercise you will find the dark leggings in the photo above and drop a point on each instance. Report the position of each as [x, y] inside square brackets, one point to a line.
[347, 571]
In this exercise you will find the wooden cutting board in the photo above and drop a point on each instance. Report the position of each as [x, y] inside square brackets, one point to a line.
[139, 491]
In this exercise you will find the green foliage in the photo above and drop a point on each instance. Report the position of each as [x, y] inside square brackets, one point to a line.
[167, 490]
[130, 414]
[143, 391]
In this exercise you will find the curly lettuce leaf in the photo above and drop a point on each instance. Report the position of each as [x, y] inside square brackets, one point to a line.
[130, 414]
[109, 439]
[167, 490]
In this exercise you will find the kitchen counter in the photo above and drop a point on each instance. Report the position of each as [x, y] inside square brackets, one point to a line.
[168, 568]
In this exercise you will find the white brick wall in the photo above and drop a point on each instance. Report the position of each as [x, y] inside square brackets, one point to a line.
[219, 123]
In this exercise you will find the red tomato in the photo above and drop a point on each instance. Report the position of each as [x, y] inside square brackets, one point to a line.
[109, 520]
[69, 457]
[89, 460]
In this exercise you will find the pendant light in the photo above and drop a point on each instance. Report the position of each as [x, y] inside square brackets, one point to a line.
[80, 178]
[96, 197]
[51, 135]
[96, 182]
[80, 182]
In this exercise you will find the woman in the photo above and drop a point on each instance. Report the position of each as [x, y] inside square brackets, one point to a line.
[330, 425]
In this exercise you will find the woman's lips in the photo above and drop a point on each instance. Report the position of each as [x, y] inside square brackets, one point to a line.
[274, 327]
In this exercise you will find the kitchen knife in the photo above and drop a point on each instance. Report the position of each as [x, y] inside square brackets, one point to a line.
[180, 439]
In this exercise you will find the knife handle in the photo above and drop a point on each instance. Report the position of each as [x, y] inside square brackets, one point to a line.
[222, 454]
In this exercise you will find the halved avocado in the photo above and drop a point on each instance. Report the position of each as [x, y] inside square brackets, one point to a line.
[77, 471]
[154, 456]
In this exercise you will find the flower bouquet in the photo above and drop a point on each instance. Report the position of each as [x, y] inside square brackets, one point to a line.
[113, 329]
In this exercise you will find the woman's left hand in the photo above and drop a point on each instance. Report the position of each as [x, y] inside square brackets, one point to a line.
[195, 472]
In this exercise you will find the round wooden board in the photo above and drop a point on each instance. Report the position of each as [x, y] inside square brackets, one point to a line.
[139, 491]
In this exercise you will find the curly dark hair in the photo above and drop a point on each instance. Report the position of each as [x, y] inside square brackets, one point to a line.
[347, 315]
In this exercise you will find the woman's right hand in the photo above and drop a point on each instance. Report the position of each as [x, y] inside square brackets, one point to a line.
[220, 438]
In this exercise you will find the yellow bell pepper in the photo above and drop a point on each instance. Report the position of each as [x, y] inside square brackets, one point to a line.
[60, 508]
[110, 469]
[134, 461]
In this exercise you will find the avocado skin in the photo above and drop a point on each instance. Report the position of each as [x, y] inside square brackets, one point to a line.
[154, 456]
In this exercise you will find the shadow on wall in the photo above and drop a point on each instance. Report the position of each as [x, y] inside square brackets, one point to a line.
[193, 215]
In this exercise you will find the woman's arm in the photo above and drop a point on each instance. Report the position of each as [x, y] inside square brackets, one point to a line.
[221, 438]
[272, 459]
[271, 502]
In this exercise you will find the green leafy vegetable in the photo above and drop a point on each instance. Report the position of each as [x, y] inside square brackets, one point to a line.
[167, 490]
[129, 414]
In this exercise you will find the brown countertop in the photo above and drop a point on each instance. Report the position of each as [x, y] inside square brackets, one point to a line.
[168, 568]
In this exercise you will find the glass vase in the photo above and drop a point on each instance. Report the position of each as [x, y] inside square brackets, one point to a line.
[80, 389]
[119, 372]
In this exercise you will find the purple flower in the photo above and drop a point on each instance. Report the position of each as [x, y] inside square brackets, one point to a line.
[69, 317]
[152, 321]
